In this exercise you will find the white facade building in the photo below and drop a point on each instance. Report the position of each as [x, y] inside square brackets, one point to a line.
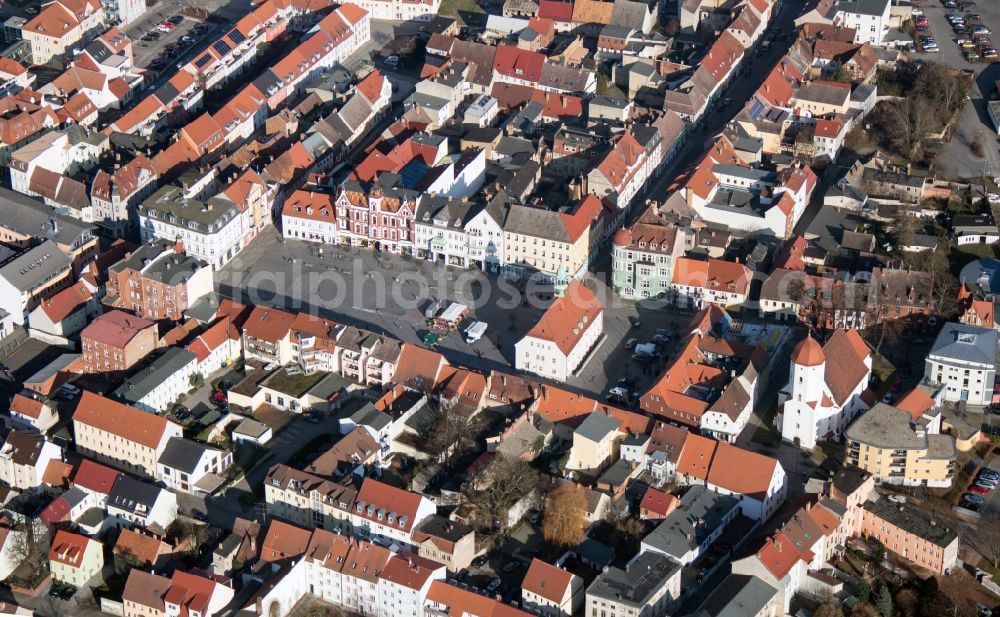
[963, 360]
[868, 18]
[212, 231]
[557, 345]
[825, 387]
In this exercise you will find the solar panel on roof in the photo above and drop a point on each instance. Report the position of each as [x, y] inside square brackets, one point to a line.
[236, 37]
[222, 47]
[202, 61]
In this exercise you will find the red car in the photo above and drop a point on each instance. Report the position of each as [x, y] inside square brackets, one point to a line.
[220, 397]
[979, 490]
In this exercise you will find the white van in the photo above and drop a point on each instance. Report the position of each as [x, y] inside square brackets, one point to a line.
[475, 331]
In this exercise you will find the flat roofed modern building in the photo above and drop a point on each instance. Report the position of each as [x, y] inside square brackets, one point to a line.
[899, 447]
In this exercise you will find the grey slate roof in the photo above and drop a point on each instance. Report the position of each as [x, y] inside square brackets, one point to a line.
[597, 426]
[33, 218]
[863, 7]
[738, 595]
[628, 13]
[912, 520]
[148, 379]
[964, 343]
[171, 269]
[329, 385]
[447, 212]
[532, 221]
[635, 586]
[33, 268]
[128, 493]
[563, 77]
[183, 454]
[369, 416]
[699, 503]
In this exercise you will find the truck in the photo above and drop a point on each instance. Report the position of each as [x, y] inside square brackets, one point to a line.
[475, 331]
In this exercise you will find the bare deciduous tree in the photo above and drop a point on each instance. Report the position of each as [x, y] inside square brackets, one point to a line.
[502, 484]
[564, 523]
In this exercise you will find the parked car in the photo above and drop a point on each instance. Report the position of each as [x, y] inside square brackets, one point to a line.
[392, 60]
[629, 344]
[979, 490]
[493, 585]
[176, 19]
[989, 473]
[626, 382]
[973, 498]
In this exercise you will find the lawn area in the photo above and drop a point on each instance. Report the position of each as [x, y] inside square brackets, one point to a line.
[962, 255]
[823, 451]
[766, 434]
[465, 10]
[885, 374]
[294, 385]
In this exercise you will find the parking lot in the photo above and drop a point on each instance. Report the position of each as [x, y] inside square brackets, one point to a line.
[164, 46]
[387, 293]
[958, 159]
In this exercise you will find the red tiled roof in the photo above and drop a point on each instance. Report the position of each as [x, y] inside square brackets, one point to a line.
[518, 63]
[547, 581]
[26, 406]
[66, 302]
[418, 366]
[808, 353]
[144, 548]
[56, 512]
[556, 10]
[129, 423]
[696, 456]
[68, 548]
[191, 592]
[658, 502]
[95, 477]
[212, 338]
[741, 471]
[384, 500]
[410, 571]
[568, 318]
[284, 541]
[371, 86]
[115, 328]
[779, 555]
[268, 324]
[463, 603]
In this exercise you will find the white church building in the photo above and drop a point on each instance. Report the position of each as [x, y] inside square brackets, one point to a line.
[827, 389]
